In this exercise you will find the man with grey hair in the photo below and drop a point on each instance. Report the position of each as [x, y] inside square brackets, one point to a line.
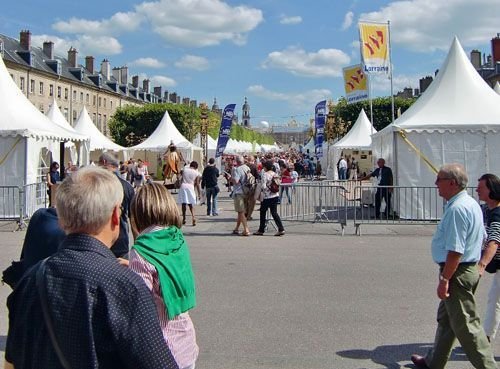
[456, 248]
[121, 247]
[96, 312]
[238, 177]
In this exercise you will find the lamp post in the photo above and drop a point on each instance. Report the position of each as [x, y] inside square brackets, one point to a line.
[204, 131]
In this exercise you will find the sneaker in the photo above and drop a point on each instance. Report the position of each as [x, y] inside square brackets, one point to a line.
[258, 233]
[215, 214]
[279, 233]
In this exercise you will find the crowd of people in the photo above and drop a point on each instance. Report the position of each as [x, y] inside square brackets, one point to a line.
[128, 307]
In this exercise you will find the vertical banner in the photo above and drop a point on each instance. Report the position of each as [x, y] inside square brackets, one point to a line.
[355, 84]
[374, 42]
[225, 129]
[319, 123]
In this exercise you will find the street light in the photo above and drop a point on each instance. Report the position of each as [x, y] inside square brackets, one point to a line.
[204, 131]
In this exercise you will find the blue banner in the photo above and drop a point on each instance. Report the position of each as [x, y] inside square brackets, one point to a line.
[319, 122]
[225, 129]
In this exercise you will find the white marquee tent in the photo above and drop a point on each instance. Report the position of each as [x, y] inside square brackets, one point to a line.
[27, 136]
[99, 143]
[155, 145]
[27, 140]
[358, 138]
[73, 150]
[457, 119]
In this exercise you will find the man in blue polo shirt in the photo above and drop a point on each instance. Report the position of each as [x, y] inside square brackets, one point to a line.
[456, 248]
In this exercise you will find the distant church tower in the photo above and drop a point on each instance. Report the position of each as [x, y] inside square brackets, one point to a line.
[215, 107]
[246, 114]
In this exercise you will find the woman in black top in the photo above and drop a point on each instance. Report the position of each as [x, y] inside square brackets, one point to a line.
[488, 190]
[52, 178]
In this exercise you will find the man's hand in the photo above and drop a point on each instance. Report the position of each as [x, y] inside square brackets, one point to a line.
[442, 289]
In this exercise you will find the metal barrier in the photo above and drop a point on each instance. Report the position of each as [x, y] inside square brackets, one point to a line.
[18, 203]
[320, 201]
[408, 205]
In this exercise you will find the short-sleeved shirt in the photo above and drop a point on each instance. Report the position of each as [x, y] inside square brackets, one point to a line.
[104, 314]
[239, 176]
[461, 230]
[384, 176]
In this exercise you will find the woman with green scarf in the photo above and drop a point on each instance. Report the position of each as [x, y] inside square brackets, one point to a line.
[161, 257]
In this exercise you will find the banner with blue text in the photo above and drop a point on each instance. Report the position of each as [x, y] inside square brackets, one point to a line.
[225, 129]
[319, 123]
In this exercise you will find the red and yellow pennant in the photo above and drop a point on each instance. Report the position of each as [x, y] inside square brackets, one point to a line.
[355, 84]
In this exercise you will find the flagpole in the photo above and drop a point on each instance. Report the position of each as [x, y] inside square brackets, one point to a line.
[390, 66]
[370, 99]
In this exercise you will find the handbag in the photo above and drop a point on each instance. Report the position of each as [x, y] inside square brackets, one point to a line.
[42, 292]
[13, 273]
[178, 182]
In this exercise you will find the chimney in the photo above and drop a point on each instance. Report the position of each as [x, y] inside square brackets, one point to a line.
[72, 53]
[25, 39]
[124, 75]
[106, 69]
[145, 85]
[116, 74]
[135, 81]
[89, 64]
[48, 49]
[157, 91]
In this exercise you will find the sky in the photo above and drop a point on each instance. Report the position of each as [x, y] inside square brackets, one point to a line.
[284, 56]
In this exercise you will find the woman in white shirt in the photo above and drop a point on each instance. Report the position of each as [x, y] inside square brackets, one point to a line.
[187, 195]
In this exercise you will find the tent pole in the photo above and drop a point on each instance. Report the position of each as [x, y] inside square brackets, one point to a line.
[390, 66]
[370, 99]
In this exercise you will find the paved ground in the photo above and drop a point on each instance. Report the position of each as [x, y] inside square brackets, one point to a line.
[311, 299]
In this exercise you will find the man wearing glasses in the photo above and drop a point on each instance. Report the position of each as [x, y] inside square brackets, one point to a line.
[456, 248]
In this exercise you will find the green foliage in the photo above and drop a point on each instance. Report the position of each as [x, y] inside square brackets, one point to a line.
[143, 120]
[132, 124]
[382, 110]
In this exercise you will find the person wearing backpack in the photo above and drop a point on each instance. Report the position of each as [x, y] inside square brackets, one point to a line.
[270, 188]
[250, 198]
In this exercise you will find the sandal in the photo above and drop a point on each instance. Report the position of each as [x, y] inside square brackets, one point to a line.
[246, 234]
[194, 222]
[235, 231]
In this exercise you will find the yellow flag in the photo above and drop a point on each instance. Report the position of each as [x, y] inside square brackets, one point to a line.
[355, 84]
[374, 39]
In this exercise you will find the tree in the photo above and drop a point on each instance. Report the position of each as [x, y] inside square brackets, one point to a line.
[130, 125]
[382, 110]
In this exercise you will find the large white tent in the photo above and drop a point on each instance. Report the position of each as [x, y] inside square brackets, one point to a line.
[27, 140]
[155, 145]
[27, 135]
[358, 138]
[73, 150]
[99, 143]
[457, 119]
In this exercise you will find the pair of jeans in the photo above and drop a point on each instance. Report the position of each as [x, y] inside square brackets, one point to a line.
[285, 188]
[342, 173]
[271, 204]
[211, 193]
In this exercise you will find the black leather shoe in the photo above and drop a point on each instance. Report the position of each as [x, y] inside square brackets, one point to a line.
[419, 361]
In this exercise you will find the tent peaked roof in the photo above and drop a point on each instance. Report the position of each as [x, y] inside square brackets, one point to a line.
[458, 99]
[18, 116]
[497, 88]
[98, 141]
[56, 116]
[359, 136]
[163, 135]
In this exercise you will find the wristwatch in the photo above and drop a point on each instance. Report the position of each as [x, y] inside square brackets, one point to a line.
[443, 279]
